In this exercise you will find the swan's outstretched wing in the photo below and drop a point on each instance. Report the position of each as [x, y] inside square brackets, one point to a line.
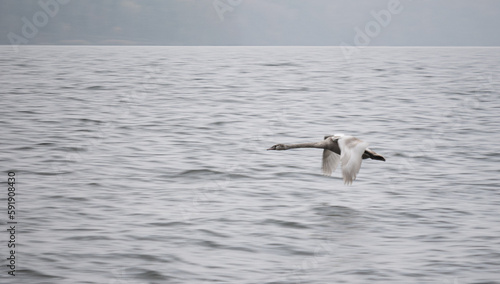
[351, 152]
[330, 162]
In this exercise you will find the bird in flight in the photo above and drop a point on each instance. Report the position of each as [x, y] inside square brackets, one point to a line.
[338, 149]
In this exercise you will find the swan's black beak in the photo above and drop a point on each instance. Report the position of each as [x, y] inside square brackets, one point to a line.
[272, 148]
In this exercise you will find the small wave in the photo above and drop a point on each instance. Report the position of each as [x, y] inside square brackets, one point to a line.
[28, 112]
[167, 224]
[77, 99]
[71, 149]
[286, 224]
[291, 250]
[210, 244]
[99, 237]
[213, 233]
[36, 274]
[24, 148]
[219, 123]
[246, 249]
[450, 211]
[80, 199]
[412, 215]
[49, 173]
[288, 174]
[198, 172]
[152, 275]
[45, 144]
[339, 211]
[280, 64]
[302, 89]
[207, 172]
[97, 87]
[90, 120]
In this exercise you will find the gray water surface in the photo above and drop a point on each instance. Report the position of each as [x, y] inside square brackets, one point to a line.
[149, 164]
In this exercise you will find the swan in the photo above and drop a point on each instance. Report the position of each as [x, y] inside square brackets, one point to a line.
[338, 148]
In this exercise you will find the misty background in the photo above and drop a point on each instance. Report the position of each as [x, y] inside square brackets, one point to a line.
[249, 22]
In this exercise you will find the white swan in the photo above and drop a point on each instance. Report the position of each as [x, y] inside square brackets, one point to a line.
[347, 150]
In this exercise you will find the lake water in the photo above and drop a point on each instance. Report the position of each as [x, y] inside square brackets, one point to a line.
[149, 165]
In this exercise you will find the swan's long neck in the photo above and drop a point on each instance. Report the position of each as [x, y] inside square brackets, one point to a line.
[321, 145]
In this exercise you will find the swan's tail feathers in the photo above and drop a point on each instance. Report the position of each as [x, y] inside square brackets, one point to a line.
[372, 155]
[330, 162]
[351, 153]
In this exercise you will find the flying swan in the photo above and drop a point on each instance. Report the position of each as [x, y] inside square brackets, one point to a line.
[348, 150]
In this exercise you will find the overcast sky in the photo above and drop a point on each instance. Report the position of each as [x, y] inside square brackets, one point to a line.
[251, 22]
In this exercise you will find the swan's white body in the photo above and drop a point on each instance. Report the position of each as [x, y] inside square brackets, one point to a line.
[348, 151]
[351, 153]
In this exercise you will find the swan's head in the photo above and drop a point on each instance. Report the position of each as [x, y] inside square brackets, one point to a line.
[278, 147]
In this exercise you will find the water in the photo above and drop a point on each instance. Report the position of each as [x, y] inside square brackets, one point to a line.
[148, 164]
